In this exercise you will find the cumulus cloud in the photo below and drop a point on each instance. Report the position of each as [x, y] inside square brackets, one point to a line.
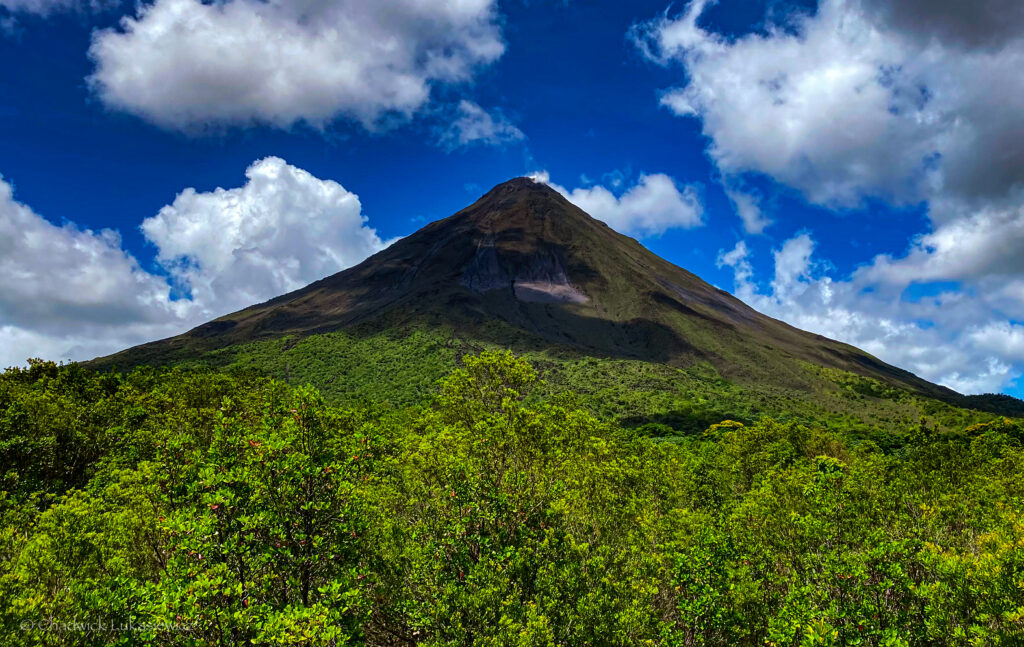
[738, 258]
[981, 245]
[907, 101]
[748, 208]
[474, 125]
[283, 229]
[852, 103]
[652, 206]
[950, 338]
[186, 64]
[833, 109]
[84, 274]
[1000, 338]
[72, 293]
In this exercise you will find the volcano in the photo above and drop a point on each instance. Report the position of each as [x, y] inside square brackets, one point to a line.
[524, 267]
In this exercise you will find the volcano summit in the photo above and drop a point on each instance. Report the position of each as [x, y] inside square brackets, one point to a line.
[522, 267]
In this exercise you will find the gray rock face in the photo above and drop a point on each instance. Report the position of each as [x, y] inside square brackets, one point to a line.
[484, 272]
[538, 278]
[544, 279]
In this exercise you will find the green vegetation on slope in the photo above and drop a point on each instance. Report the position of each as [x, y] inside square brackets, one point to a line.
[204, 508]
[401, 367]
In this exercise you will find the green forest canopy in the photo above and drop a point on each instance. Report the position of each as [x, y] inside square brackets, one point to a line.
[194, 507]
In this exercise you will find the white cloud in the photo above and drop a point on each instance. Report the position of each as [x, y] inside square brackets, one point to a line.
[1000, 338]
[748, 208]
[186, 64]
[649, 208]
[474, 125]
[85, 275]
[977, 245]
[67, 290]
[72, 293]
[280, 231]
[738, 258]
[951, 339]
[793, 267]
[844, 105]
[835, 110]
[908, 101]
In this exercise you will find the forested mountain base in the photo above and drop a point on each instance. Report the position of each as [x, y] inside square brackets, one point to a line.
[401, 366]
[178, 507]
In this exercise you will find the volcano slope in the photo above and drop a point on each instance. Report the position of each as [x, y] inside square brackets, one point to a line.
[641, 339]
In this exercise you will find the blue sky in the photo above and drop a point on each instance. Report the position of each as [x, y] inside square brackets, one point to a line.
[848, 167]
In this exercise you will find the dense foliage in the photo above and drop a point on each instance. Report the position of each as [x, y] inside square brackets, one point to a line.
[190, 507]
[402, 366]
